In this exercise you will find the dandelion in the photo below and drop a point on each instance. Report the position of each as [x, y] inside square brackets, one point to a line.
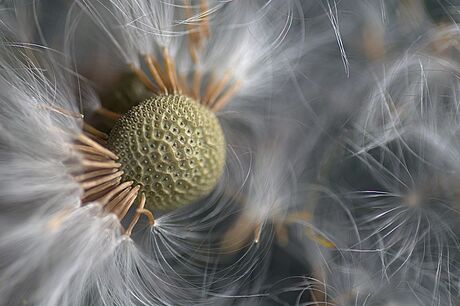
[207, 152]
[123, 192]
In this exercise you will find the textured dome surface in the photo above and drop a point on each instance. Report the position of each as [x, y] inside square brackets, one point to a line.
[173, 147]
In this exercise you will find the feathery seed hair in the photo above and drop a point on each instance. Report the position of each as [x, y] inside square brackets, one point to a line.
[229, 152]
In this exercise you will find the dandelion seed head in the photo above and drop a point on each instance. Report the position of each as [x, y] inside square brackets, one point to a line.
[173, 147]
[92, 232]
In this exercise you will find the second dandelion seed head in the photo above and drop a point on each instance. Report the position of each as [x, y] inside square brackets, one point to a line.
[173, 147]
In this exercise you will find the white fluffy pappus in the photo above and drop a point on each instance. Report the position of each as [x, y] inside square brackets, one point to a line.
[390, 217]
[397, 185]
[386, 197]
[418, 90]
[47, 240]
[359, 280]
[408, 212]
[57, 252]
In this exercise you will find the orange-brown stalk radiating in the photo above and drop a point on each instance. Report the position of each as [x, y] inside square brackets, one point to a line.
[216, 89]
[223, 100]
[136, 216]
[148, 214]
[154, 71]
[91, 143]
[170, 71]
[143, 78]
[89, 175]
[106, 198]
[108, 114]
[101, 180]
[61, 111]
[92, 130]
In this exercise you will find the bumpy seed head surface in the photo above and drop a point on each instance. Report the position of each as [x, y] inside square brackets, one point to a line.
[173, 147]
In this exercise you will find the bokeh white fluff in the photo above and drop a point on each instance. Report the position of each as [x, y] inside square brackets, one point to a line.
[386, 195]
[55, 252]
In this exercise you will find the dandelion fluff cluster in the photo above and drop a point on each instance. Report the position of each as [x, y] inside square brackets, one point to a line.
[217, 152]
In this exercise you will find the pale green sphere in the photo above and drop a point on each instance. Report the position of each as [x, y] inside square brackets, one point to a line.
[173, 147]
